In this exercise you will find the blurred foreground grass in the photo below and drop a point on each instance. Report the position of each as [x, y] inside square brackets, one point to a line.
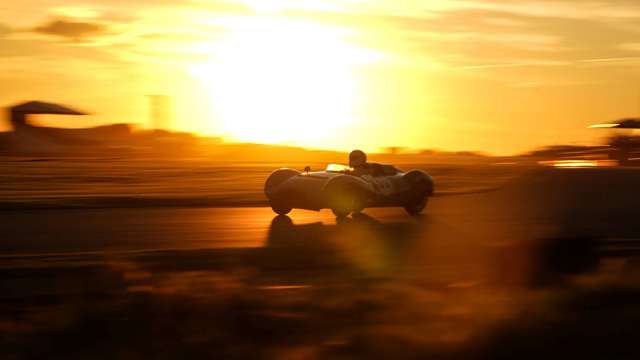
[253, 303]
[35, 183]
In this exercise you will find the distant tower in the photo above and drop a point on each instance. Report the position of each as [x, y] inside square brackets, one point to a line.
[160, 112]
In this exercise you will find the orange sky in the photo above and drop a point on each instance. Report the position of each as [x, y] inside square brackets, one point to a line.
[496, 76]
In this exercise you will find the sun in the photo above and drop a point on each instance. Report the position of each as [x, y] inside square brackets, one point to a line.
[275, 80]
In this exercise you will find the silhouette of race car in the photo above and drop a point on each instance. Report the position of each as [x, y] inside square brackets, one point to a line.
[346, 189]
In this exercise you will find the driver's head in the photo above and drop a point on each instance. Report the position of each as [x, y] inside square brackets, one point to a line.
[357, 158]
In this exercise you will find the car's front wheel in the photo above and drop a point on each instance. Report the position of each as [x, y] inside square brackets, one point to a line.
[341, 212]
[344, 201]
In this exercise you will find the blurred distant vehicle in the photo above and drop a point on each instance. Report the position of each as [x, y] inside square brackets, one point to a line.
[624, 148]
[346, 189]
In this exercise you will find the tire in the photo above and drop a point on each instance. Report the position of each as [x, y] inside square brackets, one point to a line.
[341, 213]
[343, 202]
[280, 209]
[417, 207]
[421, 188]
[276, 178]
[358, 206]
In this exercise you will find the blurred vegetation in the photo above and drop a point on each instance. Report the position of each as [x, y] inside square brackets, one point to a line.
[305, 297]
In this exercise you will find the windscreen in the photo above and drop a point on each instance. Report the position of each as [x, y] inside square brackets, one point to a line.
[338, 168]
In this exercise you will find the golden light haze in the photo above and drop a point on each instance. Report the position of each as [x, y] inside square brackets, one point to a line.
[495, 76]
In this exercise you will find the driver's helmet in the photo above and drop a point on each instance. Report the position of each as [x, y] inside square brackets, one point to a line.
[357, 158]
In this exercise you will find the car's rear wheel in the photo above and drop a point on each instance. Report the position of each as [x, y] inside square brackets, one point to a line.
[417, 207]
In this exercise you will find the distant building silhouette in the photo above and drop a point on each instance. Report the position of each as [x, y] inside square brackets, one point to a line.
[18, 113]
[26, 138]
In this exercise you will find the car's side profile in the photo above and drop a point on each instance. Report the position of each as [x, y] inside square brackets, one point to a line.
[345, 189]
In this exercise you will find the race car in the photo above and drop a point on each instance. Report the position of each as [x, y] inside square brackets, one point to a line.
[348, 188]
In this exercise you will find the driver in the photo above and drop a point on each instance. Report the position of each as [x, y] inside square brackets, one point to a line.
[358, 162]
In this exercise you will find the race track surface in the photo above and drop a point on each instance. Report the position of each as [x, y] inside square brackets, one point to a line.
[582, 202]
[549, 258]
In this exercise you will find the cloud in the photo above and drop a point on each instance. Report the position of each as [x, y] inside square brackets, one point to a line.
[593, 10]
[525, 63]
[181, 36]
[632, 46]
[4, 30]
[78, 12]
[497, 34]
[72, 30]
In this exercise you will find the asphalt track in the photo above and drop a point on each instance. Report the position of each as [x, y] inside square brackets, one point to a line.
[554, 246]
[542, 204]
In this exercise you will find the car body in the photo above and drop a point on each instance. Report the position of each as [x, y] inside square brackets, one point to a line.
[344, 190]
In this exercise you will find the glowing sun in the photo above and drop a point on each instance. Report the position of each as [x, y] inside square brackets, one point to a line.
[277, 80]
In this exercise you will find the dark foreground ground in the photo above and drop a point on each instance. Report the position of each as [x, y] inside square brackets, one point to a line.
[546, 266]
